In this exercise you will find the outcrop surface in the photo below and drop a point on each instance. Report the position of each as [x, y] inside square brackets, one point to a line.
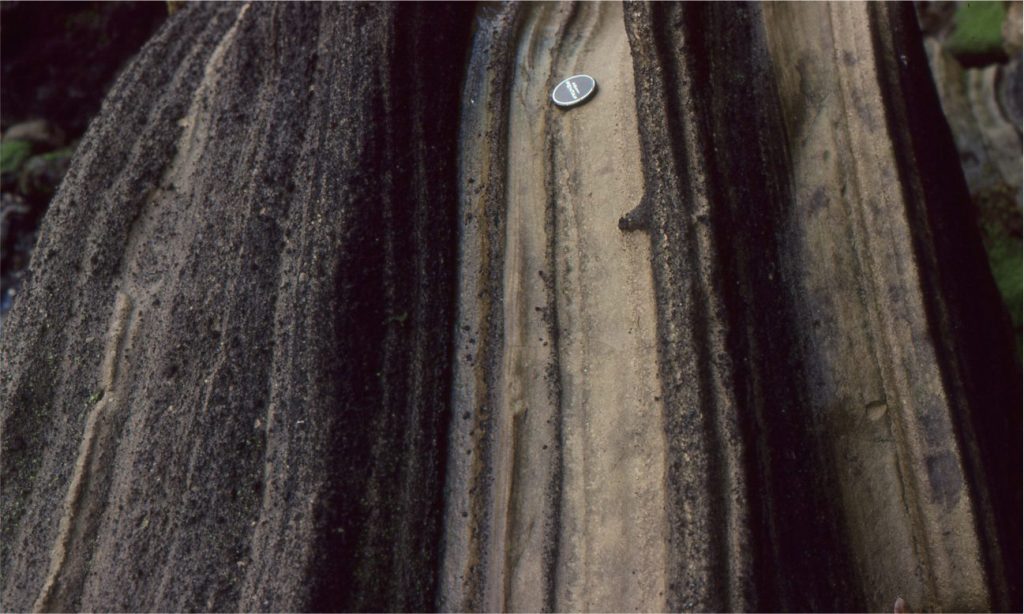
[335, 310]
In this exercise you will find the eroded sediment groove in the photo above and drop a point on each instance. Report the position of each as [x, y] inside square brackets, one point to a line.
[710, 561]
[788, 230]
[89, 479]
[954, 289]
[469, 529]
[562, 509]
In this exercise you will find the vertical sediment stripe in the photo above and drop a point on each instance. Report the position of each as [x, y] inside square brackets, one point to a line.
[469, 559]
[530, 354]
[924, 424]
[692, 207]
[554, 531]
[983, 392]
[935, 217]
[79, 514]
[613, 548]
[678, 207]
[577, 467]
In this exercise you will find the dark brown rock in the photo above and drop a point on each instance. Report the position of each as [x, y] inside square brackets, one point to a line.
[228, 373]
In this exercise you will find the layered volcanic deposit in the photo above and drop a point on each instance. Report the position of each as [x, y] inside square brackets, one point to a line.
[335, 310]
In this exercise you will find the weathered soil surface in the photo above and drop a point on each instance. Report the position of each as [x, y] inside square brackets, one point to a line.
[336, 311]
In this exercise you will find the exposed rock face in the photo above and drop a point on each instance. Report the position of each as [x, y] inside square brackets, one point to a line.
[230, 366]
[335, 311]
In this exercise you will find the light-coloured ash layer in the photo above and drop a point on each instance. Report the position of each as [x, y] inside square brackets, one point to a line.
[575, 451]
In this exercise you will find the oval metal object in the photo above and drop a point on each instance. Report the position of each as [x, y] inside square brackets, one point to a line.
[574, 90]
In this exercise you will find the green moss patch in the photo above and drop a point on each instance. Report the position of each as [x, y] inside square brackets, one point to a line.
[978, 37]
[1006, 257]
[13, 154]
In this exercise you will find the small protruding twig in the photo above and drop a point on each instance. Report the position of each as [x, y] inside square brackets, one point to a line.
[639, 218]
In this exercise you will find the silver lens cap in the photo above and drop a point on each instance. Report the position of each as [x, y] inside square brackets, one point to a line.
[574, 90]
